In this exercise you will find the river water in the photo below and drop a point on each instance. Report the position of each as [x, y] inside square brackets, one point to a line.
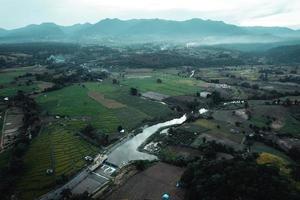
[128, 151]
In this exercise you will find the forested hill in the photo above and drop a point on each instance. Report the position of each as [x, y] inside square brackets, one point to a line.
[150, 30]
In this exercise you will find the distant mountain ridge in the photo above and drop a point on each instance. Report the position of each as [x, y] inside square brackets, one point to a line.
[149, 30]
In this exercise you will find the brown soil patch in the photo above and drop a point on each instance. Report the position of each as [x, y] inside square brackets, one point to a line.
[152, 184]
[109, 103]
[44, 85]
[278, 124]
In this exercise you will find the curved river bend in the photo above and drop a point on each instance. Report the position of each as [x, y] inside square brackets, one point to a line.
[128, 151]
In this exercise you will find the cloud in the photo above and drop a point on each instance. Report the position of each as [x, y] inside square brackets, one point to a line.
[16, 13]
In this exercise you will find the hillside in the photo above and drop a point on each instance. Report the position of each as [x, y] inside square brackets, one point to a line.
[285, 54]
[150, 30]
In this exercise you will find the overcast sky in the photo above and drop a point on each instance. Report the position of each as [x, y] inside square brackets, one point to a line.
[17, 13]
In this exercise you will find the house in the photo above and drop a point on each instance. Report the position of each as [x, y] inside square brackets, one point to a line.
[205, 94]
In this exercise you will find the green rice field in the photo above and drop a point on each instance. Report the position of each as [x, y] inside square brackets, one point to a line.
[73, 101]
[55, 148]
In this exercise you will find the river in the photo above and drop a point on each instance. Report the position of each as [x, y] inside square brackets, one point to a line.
[119, 156]
[128, 151]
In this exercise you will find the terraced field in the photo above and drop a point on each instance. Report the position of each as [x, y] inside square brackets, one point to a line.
[56, 148]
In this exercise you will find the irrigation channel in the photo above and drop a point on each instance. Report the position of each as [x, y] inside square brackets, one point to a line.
[117, 157]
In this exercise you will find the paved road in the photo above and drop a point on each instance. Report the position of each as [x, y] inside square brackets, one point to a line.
[56, 194]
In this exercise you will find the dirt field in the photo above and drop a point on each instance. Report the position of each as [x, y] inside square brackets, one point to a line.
[44, 85]
[151, 184]
[109, 103]
[155, 96]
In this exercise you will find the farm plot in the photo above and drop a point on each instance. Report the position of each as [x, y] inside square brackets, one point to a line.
[108, 103]
[7, 77]
[12, 90]
[10, 86]
[280, 118]
[116, 106]
[218, 131]
[152, 184]
[73, 101]
[58, 149]
[171, 84]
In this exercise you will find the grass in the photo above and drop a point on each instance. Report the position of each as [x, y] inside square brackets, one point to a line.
[221, 133]
[12, 90]
[74, 101]
[56, 148]
[291, 125]
[260, 147]
[270, 159]
[7, 77]
[171, 84]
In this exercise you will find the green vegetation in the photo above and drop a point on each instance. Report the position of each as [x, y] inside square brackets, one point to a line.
[55, 148]
[258, 147]
[13, 90]
[10, 85]
[171, 84]
[239, 177]
[9, 76]
[73, 101]
[83, 104]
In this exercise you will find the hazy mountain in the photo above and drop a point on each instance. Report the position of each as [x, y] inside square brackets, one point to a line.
[196, 31]
[285, 54]
[2, 31]
[44, 32]
[74, 29]
[276, 31]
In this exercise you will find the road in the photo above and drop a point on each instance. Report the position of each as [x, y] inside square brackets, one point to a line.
[120, 154]
[83, 177]
[56, 194]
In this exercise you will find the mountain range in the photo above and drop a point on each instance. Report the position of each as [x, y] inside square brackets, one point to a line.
[193, 31]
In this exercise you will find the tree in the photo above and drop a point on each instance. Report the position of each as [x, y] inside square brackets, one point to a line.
[238, 178]
[120, 128]
[159, 81]
[115, 81]
[296, 172]
[245, 84]
[255, 87]
[216, 97]
[66, 193]
[89, 130]
[133, 91]
[246, 104]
